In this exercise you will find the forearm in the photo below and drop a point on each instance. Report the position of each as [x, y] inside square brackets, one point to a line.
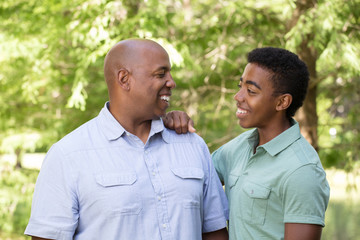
[38, 238]
[298, 231]
[221, 234]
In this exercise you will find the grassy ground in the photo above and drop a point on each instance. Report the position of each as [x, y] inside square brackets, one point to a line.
[342, 219]
[16, 187]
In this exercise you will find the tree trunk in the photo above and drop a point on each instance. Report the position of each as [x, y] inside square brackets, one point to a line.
[307, 115]
[19, 155]
[308, 119]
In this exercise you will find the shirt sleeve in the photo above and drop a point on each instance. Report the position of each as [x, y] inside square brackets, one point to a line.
[218, 163]
[306, 195]
[216, 210]
[54, 212]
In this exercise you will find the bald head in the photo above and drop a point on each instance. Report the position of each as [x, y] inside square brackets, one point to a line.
[137, 73]
[127, 54]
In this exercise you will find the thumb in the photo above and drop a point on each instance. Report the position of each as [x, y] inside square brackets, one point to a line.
[191, 126]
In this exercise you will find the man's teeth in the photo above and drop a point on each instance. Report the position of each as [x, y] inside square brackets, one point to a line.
[165, 98]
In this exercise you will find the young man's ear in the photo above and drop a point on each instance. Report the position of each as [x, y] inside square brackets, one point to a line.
[284, 102]
[123, 79]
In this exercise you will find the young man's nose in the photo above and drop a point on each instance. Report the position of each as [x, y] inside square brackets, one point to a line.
[239, 96]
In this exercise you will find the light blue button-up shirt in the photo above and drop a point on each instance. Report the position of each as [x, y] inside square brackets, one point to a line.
[102, 182]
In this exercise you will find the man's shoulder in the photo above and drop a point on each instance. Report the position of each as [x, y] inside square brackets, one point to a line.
[81, 137]
[172, 137]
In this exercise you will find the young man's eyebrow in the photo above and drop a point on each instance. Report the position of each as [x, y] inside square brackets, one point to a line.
[250, 82]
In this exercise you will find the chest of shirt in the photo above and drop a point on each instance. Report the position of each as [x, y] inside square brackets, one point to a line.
[127, 180]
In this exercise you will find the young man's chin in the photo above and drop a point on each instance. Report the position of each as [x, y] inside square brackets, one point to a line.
[244, 125]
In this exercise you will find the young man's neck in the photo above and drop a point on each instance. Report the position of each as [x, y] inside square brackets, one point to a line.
[272, 131]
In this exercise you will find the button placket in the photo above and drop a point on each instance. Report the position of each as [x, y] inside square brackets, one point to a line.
[161, 205]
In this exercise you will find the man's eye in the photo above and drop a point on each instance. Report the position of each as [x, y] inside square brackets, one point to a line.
[239, 85]
[161, 74]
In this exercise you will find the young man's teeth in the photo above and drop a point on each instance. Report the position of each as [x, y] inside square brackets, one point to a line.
[241, 111]
[165, 98]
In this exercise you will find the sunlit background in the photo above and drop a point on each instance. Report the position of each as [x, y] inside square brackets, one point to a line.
[51, 58]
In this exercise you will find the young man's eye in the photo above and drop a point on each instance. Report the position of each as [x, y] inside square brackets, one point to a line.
[239, 85]
[250, 91]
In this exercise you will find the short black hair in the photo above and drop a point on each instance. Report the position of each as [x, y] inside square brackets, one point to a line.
[289, 73]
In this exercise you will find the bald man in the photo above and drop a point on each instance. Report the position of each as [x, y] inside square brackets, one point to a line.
[122, 175]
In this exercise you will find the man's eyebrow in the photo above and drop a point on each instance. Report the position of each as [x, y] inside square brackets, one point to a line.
[250, 82]
[164, 68]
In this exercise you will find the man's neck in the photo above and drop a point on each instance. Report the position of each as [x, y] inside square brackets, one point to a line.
[141, 130]
[138, 126]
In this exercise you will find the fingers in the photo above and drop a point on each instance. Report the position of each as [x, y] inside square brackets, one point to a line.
[168, 121]
[183, 123]
[179, 121]
[191, 126]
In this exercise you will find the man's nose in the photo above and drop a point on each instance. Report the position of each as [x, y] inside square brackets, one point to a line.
[170, 83]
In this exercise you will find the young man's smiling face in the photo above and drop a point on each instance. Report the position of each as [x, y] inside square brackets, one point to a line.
[256, 104]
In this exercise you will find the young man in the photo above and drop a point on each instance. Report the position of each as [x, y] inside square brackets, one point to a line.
[274, 180]
[122, 175]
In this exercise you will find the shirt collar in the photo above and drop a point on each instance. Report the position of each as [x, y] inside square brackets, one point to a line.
[157, 126]
[113, 130]
[280, 142]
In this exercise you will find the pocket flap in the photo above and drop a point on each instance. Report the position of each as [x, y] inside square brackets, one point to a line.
[232, 180]
[254, 190]
[116, 179]
[196, 173]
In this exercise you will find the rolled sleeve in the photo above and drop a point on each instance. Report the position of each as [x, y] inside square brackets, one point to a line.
[306, 195]
[54, 212]
[216, 211]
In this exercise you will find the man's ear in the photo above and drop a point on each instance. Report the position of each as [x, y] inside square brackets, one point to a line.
[284, 101]
[123, 79]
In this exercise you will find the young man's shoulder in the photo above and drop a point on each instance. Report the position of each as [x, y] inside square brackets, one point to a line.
[304, 152]
[240, 139]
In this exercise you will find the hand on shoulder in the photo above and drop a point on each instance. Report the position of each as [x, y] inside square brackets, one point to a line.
[179, 121]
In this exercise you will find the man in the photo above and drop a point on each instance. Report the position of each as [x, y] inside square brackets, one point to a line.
[274, 180]
[122, 175]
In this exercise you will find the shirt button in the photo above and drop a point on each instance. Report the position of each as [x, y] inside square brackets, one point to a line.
[153, 173]
[159, 198]
[164, 225]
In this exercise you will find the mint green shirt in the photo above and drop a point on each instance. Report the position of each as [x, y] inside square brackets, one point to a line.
[283, 182]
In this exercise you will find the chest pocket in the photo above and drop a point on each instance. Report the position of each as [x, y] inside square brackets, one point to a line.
[190, 182]
[188, 173]
[119, 193]
[254, 202]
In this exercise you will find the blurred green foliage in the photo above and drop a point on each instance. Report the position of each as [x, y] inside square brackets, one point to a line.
[16, 190]
[342, 221]
[51, 75]
[52, 56]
